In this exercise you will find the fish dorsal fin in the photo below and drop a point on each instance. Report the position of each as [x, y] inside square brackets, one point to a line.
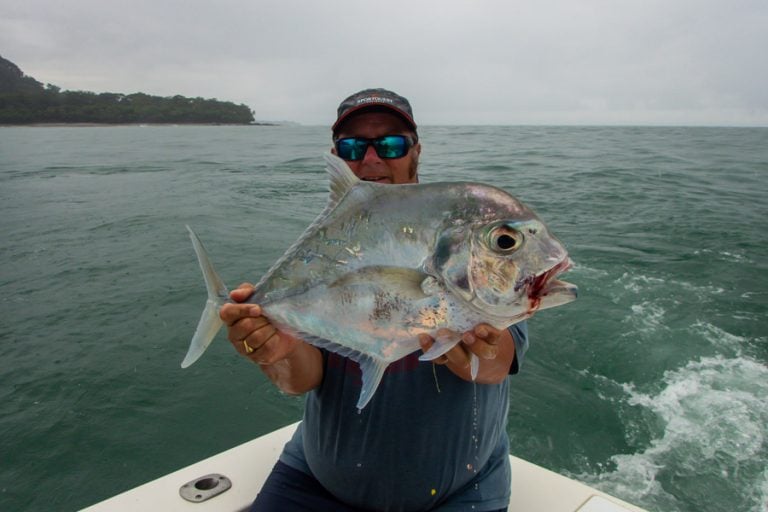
[341, 181]
[341, 177]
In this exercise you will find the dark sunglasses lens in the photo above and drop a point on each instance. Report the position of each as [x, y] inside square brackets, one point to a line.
[351, 149]
[391, 146]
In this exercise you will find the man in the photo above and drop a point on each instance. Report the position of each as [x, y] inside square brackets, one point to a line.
[430, 439]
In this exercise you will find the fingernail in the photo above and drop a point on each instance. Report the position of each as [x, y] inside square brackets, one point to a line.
[482, 332]
[468, 338]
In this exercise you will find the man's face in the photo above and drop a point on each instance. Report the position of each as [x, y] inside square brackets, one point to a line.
[371, 125]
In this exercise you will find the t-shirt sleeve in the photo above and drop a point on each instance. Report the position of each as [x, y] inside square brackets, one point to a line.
[519, 333]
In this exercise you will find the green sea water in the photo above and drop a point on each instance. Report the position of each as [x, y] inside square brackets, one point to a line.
[653, 386]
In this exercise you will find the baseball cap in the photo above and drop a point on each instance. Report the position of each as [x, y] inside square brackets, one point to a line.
[378, 99]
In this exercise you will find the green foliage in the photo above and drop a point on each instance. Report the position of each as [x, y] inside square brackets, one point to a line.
[24, 100]
[13, 80]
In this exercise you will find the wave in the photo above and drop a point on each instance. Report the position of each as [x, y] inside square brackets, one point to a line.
[639, 283]
[707, 431]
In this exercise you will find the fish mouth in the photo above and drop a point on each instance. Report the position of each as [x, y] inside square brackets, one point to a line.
[546, 291]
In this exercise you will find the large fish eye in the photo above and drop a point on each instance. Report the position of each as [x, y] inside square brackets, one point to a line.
[505, 239]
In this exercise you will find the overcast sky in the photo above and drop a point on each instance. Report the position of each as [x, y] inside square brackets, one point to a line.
[691, 62]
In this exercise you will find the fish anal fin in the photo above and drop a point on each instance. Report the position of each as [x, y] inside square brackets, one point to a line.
[372, 370]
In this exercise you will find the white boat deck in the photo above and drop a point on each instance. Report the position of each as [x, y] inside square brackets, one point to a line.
[534, 489]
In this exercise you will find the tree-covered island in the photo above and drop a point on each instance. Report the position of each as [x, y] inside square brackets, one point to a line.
[24, 100]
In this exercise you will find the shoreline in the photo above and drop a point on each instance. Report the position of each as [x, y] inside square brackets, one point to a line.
[106, 125]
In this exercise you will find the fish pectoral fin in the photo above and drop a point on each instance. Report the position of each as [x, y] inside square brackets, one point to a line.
[372, 370]
[444, 343]
[405, 280]
[474, 365]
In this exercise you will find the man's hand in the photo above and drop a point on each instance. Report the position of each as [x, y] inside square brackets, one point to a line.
[293, 366]
[251, 333]
[495, 349]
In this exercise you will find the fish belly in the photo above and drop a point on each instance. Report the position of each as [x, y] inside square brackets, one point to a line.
[361, 319]
[373, 324]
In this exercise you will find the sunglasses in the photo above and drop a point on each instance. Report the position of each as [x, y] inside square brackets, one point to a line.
[388, 146]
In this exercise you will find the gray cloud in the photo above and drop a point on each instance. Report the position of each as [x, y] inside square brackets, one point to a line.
[482, 61]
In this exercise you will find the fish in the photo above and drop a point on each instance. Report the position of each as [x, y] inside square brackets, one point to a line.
[384, 263]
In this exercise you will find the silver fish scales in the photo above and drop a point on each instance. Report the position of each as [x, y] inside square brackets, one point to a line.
[384, 263]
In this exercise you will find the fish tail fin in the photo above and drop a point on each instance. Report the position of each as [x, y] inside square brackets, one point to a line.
[209, 323]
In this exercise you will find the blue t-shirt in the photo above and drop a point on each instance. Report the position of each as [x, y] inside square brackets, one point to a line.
[427, 440]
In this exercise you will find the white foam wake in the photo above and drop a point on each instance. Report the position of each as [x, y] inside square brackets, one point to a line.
[709, 418]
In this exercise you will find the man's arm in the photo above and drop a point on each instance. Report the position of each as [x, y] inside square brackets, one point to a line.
[293, 366]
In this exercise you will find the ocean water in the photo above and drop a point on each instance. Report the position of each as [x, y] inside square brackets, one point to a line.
[653, 386]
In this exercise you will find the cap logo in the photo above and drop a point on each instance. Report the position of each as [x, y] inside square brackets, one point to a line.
[375, 99]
